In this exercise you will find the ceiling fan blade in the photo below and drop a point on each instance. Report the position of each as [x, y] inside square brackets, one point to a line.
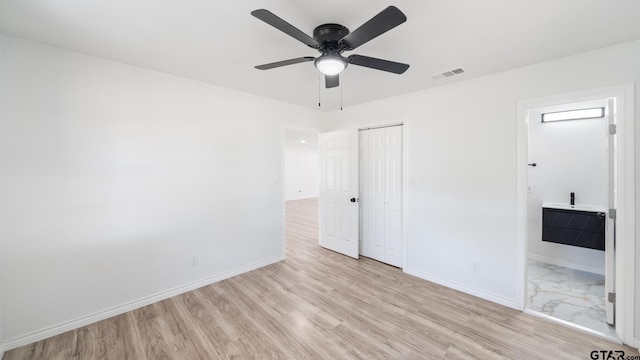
[271, 19]
[386, 20]
[378, 64]
[285, 63]
[331, 81]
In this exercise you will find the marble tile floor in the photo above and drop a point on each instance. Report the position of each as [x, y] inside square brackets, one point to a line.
[571, 295]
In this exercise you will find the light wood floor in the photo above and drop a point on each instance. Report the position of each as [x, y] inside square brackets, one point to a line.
[320, 305]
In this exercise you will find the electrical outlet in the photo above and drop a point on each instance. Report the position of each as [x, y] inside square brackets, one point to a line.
[193, 260]
[475, 267]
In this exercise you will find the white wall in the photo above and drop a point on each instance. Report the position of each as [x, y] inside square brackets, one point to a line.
[1, 246]
[112, 176]
[1, 338]
[302, 171]
[461, 165]
[571, 156]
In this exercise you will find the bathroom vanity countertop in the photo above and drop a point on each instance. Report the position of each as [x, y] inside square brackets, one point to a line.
[578, 207]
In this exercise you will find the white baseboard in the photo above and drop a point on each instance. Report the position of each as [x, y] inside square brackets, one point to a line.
[301, 198]
[132, 305]
[465, 289]
[1, 351]
[567, 264]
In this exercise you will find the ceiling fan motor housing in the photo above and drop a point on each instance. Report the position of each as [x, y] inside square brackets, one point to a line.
[329, 36]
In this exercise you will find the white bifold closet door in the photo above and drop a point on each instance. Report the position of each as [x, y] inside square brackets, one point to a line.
[381, 194]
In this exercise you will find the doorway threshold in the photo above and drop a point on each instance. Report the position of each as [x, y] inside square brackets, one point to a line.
[611, 337]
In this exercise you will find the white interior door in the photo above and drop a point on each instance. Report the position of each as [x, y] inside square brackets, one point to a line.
[372, 194]
[381, 163]
[339, 191]
[610, 234]
[393, 195]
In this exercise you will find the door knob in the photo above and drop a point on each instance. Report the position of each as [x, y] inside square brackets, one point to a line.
[354, 200]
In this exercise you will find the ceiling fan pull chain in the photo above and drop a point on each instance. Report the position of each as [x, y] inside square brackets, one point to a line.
[319, 85]
[341, 86]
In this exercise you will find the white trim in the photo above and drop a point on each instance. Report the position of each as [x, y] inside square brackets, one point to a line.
[380, 126]
[567, 264]
[463, 288]
[129, 306]
[625, 251]
[625, 222]
[300, 198]
[2, 343]
[371, 125]
[405, 191]
[522, 178]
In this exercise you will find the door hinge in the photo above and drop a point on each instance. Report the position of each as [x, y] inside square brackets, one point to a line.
[611, 297]
[612, 129]
[613, 214]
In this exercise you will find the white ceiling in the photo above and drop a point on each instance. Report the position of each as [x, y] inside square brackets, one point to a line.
[219, 42]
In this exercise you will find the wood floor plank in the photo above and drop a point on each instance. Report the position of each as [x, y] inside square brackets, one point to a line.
[318, 304]
[185, 328]
[127, 342]
[250, 334]
[87, 343]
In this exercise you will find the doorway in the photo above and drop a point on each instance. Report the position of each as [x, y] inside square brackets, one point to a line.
[301, 173]
[569, 240]
[545, 187]
[361, 192]
[302, 169]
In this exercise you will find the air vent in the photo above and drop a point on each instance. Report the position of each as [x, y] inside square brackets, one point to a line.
[448, 74]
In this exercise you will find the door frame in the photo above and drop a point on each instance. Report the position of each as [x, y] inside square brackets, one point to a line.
[405, 161]
[625, 228]
[283, 174]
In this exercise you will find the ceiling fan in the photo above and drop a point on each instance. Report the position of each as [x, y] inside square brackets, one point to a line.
[331, 40]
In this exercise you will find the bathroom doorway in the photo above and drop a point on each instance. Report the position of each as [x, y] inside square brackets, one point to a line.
[567, 208]
[569, 196]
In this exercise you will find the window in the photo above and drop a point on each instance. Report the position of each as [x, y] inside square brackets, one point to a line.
[593, 113]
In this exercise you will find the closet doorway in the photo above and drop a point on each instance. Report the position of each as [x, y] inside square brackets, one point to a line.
[361, 192]
[381, 194]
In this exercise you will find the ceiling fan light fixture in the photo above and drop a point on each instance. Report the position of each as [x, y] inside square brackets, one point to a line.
[330, 65]
[331, 40]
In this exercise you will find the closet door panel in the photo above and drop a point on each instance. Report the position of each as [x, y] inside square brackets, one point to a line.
[393, 195]
[381, 196]
[376, 194]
